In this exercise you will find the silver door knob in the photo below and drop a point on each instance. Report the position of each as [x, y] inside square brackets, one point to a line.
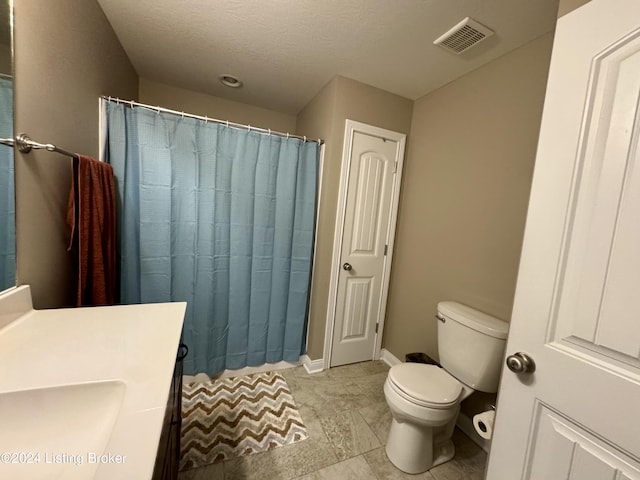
[521, 363]
[347, 267]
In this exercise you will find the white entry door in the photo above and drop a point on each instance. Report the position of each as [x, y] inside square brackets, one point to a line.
[372, 164]
[577, 305]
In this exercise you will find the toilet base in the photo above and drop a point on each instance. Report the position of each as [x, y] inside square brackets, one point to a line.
[443, 453]
[410, 448]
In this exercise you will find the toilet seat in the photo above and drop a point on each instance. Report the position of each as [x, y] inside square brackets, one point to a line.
[425, 385]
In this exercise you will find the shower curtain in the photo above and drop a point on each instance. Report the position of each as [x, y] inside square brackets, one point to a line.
[221, 218]
[7, 196]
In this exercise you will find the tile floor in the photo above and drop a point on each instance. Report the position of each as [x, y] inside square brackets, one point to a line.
[348, 421]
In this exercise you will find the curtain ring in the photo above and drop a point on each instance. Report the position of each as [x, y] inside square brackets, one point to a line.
[269, 132]
[249, 128]
[206, 119]
[287, 135]
[227, 123]
[305, 139]
[158, 107]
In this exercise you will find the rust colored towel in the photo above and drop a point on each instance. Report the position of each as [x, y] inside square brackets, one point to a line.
[92, 218]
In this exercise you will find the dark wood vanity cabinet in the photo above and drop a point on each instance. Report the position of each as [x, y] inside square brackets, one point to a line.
[168, 456]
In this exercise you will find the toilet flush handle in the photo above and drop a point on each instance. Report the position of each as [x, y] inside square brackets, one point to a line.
[440, 317]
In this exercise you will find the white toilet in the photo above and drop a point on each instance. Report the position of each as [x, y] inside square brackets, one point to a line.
[425, 399]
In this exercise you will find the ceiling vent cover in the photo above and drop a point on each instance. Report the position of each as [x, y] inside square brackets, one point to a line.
[463, 36]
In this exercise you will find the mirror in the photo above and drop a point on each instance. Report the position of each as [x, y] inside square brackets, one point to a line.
[7, 195]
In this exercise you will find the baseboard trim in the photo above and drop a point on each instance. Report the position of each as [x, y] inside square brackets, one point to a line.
[465, 424]
[389, 358]
[312, 366]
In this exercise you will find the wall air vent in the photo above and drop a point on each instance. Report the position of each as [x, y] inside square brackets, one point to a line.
[463, 36]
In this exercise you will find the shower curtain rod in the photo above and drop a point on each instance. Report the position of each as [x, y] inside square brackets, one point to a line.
[264, 131]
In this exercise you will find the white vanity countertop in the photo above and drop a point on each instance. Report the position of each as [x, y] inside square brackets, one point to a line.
[132, 344]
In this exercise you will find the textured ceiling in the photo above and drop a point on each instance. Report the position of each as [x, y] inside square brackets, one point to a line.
[286, 50]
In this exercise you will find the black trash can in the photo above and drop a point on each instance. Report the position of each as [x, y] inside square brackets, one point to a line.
[420, 357]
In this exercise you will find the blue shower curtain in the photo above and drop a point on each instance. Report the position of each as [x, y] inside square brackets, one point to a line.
[223, 219]
[7, 196]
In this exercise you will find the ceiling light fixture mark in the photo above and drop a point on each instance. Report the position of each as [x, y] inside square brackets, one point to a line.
[230, 80]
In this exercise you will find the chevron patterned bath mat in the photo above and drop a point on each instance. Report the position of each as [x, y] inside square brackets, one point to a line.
[237, 416]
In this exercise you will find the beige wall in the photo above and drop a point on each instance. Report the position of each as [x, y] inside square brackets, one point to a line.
[465, 192]
[66, 56]
[154, 93]
[566, 6]
[316, 120]
[5, 59]
[324, 117]
[5, 38]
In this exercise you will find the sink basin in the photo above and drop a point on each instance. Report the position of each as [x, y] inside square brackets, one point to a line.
[83, 391]
[57, 432]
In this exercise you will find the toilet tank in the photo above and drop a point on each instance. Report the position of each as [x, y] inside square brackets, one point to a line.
[471, 345]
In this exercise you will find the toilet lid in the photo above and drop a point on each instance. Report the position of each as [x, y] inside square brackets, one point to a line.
[426, 384]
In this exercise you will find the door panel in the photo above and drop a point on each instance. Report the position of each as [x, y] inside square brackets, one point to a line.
[603, 262]
[577, 305]
[369, 197]
[357, 308]
[567, 451]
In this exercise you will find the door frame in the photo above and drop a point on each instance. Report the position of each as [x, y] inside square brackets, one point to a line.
[351, 128]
